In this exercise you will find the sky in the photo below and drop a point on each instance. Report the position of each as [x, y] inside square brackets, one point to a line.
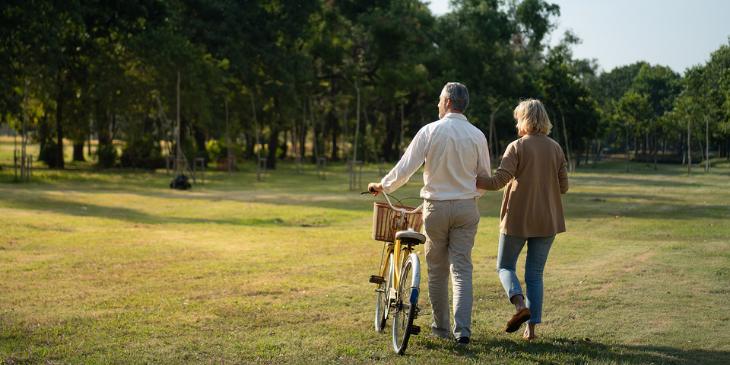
[674, 33]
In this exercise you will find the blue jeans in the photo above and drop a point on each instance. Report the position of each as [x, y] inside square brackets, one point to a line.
[537, 253]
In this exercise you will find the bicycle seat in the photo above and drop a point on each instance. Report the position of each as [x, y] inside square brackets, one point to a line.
[410, 237]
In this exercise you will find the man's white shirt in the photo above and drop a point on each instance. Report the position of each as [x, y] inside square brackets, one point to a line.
[455, 153]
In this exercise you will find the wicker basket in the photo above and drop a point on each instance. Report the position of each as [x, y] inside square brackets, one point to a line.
[385, 221]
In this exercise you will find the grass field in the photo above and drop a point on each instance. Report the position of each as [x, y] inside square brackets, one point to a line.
[114, 267]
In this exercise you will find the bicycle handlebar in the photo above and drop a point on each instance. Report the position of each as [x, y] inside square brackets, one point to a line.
[398, 209]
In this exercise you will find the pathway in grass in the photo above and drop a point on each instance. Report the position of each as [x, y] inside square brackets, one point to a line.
[113, 267]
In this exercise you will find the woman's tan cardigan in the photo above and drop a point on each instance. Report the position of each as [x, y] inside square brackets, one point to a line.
[534, 170]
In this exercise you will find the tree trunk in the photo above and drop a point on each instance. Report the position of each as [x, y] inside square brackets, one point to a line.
[387, 146]
[598, 153]
[492, 136]
[250, 145]
[58, 163]
[105, 154]
[102, 127]
[707, 144]
[689, 148]
[316, 131]
[654, 148]
[303, 141]
[78, 151]
[493, 131]
[201, 148]
[229, 145]
[273, 146]
[257, 134]
[402, 131]
[567, 145]
[284, 146]
[628, 149]
[43, 137]
[334, 131]
[88, 141]
[357, 123]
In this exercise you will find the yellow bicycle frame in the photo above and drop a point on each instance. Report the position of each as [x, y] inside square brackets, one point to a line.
[399, 252]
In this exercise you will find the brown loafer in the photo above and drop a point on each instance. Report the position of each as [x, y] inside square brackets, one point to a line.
[517, 320]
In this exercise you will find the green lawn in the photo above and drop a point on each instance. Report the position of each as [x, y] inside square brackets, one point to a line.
[114, 267]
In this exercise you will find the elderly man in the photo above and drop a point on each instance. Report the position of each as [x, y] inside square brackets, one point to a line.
[455, 153]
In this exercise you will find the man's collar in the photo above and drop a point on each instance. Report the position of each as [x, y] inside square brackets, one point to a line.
[455, 116]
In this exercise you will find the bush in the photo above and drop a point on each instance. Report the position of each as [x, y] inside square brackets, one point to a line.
[49, 154]
[216, 150]
[142, 153]
[106, 156]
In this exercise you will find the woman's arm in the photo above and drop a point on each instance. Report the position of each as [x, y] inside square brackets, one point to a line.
[496, 182]
[563, 175]
[505, 172]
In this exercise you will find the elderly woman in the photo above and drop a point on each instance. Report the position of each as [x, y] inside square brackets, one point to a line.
[533, 169]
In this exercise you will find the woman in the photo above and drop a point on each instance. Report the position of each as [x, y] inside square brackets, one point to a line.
[534, 170]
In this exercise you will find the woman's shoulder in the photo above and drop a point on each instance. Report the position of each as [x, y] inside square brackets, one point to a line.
[514, 146]
[544, 140]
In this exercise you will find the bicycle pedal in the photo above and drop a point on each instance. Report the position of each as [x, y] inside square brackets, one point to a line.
[376, 279]
[414, 330]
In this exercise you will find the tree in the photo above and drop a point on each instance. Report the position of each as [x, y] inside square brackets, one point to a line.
[573, 111]
[632, 110]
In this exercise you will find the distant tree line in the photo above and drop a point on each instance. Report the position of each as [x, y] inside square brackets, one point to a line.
[341, 79]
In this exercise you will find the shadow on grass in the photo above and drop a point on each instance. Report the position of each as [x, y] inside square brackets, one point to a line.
[45, 204]
[286, 187]
[578, 205]
[562, 350]
[289, 188]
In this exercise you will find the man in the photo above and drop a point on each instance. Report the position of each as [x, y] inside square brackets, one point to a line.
[455, 153]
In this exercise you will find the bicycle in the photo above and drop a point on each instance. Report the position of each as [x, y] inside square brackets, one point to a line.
[398, 284]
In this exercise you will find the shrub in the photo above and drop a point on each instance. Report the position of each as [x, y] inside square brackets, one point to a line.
[216, 150]
[142, 153]
[49, 154]
[106, 156]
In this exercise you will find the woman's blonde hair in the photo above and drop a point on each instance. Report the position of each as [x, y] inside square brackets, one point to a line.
[532, 118]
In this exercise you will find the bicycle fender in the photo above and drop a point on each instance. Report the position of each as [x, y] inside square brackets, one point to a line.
[416, 270]
[416, 283]
[414, 296]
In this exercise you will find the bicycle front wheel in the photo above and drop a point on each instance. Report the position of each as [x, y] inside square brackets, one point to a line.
[406, 306]
[381, 296]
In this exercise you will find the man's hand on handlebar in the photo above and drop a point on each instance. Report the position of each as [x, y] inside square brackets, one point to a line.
[375, 188]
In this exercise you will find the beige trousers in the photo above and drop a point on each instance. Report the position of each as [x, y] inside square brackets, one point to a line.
[450, 226]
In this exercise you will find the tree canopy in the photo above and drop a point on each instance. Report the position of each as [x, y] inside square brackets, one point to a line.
[308, 79]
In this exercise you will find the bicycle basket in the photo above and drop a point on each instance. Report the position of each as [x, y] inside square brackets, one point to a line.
[385, 221]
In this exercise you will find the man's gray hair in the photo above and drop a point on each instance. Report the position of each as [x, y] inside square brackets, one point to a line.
[458, 94]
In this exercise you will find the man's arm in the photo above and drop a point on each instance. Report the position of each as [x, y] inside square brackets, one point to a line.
[412, 159]
[484, 165]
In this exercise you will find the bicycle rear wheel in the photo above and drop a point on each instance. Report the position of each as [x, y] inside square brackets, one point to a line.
[381, 296]
[406, 306]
